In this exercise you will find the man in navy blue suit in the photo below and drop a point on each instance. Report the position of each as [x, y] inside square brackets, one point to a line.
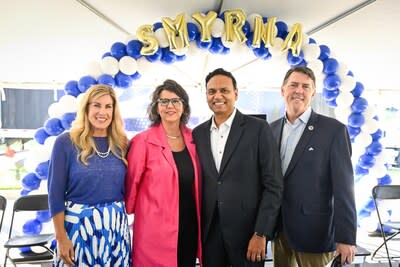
[318, 214]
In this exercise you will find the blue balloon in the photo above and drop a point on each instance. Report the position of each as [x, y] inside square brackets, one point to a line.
[71, 88]
[30, 181]
[330, 94]
[361, 171]
[43, 216]
[122, 80]
[107, 54]
[226, 50]
[353, 131]
[325, 52]
[356, 120]
[53, 244]
[294, 60]
[366, 161]
[53, 126]
[374, 148]
[24, 192]
[332, 103]
[181, 57]
[133, 49]
[118, 50]
[216, 46]
[85, 82]
[106, 79]
[370, 205]
[157, 25]
[41, 135]
[332, 81]
[136, 76]
[25, 250]
[203, 45]
[359, 104]
[282, 29]
[155, 57]
[311, 41]
[260, 52]
[385, 180]
[32, 227]
[249, 40]
[67, 119]
[358, 90]
[167, 56]
[42, 170]
[246, 27]
[363, 214]
[193, 31]
[350, 73]
[377, 135]
[331, 65]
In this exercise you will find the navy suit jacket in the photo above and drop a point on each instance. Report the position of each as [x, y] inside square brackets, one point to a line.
[247, 190]
[318, 206]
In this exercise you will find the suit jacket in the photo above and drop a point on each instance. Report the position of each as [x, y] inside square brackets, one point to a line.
[247, 190]
[318, 206]
[152, 194]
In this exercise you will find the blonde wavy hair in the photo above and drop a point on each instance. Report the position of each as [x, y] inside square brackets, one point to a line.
[81, 132]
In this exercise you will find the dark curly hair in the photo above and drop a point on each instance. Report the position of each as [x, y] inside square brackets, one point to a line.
[176, 88]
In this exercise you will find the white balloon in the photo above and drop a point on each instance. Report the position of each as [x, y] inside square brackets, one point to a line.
[316, 66]
[217, 28]
[342, 70]
[127, 65]
[181, 51]
[109, 65]
[342, 114]
[347, 83]
[378, 170]
[363, 139]
[55, 110]
[49, 143]
[79, 99]
[311, 52]
[369, 112]
[161, 37]
[94, 69]
[344, 99]
[143, 65]
[276, 49]
[68, 103]
[370, 126]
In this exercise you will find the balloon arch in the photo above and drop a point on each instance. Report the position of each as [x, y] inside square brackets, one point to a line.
[170, 40]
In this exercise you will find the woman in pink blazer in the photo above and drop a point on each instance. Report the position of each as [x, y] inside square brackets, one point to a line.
[163, 184]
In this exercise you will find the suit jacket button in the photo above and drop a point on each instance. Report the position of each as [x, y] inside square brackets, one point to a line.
[219, 182]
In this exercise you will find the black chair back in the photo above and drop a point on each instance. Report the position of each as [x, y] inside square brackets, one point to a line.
[3, 205]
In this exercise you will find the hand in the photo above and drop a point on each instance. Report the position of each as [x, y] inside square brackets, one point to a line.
[66, 251]
[346, 252]
[256, 249]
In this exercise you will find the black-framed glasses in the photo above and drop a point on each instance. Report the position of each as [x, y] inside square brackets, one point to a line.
[174, 101]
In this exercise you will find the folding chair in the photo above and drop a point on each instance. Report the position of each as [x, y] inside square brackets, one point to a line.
[3, 205]
[28, 203]
[380, 193]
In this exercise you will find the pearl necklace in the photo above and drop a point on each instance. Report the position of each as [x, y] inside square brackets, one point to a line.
[173, 137]
[102, 154]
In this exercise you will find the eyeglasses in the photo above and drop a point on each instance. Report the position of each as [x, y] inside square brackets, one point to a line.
[174, 101]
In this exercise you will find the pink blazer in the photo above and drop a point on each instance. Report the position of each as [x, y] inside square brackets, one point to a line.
[152, 194]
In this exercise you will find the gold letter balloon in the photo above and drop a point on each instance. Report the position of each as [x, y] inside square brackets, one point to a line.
[176, 31]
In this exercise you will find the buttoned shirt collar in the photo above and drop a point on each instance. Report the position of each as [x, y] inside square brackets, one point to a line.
[228, 122]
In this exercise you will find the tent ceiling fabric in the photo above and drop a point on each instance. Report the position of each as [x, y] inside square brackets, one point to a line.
[51, 42]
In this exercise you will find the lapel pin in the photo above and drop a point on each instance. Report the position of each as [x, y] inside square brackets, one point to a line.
[310, 127]
[310, 149]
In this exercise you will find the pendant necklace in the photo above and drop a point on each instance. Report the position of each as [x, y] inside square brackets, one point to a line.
[102, 154]
[173, 137]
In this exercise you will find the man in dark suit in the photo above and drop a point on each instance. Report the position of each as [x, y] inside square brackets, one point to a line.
[318, 214]
[242, 180]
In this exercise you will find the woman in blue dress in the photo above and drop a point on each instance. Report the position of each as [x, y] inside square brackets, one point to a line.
[86, 185]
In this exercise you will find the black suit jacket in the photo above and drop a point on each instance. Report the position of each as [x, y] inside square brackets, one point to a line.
[247, 190]
[318, 206]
